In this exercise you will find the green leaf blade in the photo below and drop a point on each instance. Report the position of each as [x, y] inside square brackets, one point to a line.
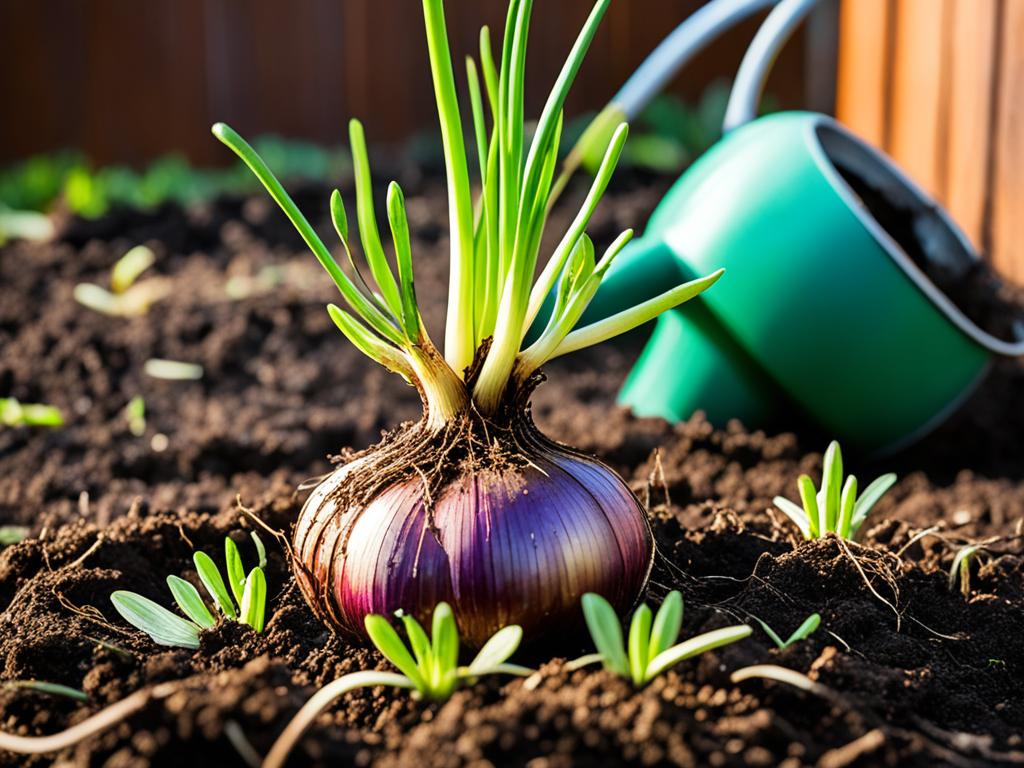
[497, 650]
[387, 641]
[162, 626]
[188, 599]
[696, 646]
[667, 623]
[235, 569]
[214, 583]
[639, 644]
[606, 632]
[254, 600]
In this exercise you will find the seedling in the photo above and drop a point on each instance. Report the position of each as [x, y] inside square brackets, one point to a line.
[429, 667]
[836, 507]
[172, 370]
[125, 298]
[805, 630]
[135, 413]
[960, 571]
[54, 689]
[12, 534]
[167, 628]
[24, 225]
[15, 414]
[651, 646]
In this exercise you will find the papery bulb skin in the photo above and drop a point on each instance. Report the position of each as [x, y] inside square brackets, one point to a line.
[513, 541]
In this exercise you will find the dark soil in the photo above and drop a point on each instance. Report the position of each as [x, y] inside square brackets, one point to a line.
[920, 675]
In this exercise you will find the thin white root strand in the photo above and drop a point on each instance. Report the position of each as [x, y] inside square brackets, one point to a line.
[101, 721]
[318, 702]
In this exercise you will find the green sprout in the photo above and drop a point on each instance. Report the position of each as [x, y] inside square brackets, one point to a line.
[428, 666]
[805, 630]
[135, 413]
[41, 686]
[126, 298]
[24, 225]
[960, 571]
[12, 534]
[167, 628]
[172, 370]
[497, 285]
[836, 507]
[15, 414]
[652, 646]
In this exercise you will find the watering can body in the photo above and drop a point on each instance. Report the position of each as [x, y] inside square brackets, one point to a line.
[819, 307]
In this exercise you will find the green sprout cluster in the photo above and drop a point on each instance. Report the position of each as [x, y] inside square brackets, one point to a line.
[15, 414]
[167, 628]
[428, 666]
[835, 508]
[493, 298]
[126, 297]
[652, 646]
[805, 630]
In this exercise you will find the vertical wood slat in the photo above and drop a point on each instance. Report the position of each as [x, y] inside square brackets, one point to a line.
[972, 85]
[919, 91]
[865, 60]
[1008, 156]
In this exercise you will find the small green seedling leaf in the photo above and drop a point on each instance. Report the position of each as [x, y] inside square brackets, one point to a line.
[164, 627]
[261, 552]
[805, 630]
[960, 571]
[695, 646]
[496, 651]
[135, 413]
[15, 414]
[420, 643]
[254, 600]
[172, 370]
[639, 643]
[606, 632]
[235, 569]
[667, 624]
[445, 645]
[188, 599]
[128, 268]
[12, 534]
[211, 578]
[384, 636]
[55, 689]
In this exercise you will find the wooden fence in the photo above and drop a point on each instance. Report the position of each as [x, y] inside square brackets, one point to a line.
[127, 80]
[939, 85]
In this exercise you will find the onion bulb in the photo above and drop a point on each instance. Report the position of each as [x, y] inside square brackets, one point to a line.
[505, 535]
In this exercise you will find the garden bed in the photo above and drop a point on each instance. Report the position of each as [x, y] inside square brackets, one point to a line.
[921, 675]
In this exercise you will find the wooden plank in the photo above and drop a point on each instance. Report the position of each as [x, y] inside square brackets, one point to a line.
[974, 50]
[1008, 158]
[920, 90]
[865, 57]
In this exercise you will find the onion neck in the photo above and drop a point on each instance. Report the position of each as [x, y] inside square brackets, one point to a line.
[444, 393]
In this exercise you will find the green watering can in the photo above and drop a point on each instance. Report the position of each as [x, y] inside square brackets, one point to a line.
[820, 308]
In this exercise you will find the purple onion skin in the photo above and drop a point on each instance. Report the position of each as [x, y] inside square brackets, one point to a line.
[515, 547]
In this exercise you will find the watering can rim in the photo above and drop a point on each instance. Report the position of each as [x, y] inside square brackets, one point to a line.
[892, 248]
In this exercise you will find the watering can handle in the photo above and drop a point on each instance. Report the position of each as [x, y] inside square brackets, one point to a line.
[759, 58]
[682, 44]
